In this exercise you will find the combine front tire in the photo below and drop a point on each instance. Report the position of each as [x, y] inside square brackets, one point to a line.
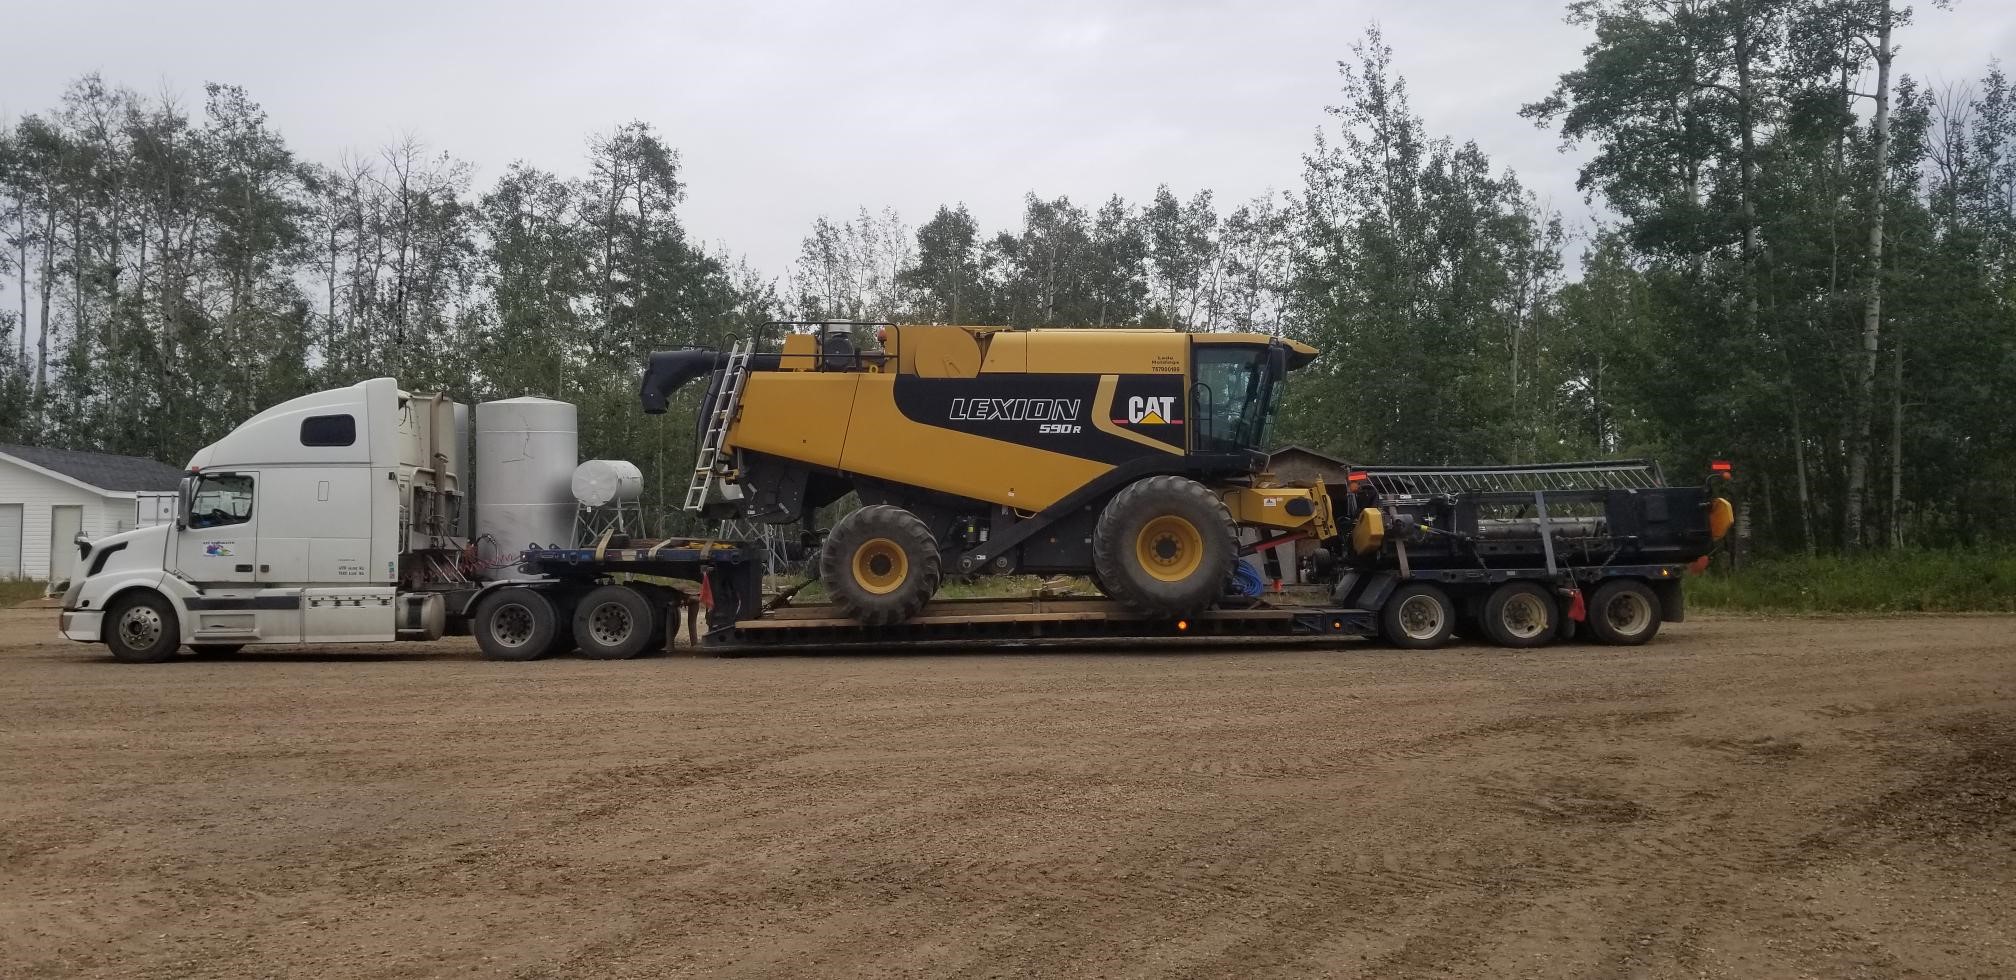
[1623, 612]
[880, 564]
[1164, 547]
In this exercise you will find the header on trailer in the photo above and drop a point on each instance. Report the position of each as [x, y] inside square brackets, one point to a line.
[1621, 474]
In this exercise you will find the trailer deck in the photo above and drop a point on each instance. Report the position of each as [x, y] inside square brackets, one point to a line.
[727, 570]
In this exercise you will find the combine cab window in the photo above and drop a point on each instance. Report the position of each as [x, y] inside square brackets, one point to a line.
[1231, 398]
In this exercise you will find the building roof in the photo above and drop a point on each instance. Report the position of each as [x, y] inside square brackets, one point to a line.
[103, 471]
[1306, 451]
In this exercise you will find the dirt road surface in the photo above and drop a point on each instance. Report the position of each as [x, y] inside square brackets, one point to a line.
[1743, 798]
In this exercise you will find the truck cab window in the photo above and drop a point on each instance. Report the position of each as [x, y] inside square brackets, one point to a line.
[221, 499]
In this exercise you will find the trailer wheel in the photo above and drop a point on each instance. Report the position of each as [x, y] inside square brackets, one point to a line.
[515, 623]
[141, 628]
[1164, 547]
[616, 622]
[1520, 614]
[1418, 616]
[564, 604]
[880, 564]
[1624, 612]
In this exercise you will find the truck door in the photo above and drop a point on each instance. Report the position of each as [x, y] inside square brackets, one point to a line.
[218, 542]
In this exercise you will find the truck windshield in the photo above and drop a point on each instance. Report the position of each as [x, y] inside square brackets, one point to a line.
[1231, 398]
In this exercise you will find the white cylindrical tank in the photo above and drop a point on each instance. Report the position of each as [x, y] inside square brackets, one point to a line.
[601, 482]
[526, 450]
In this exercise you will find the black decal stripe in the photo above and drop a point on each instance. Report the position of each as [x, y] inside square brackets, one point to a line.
[217, 603]
[974, 406]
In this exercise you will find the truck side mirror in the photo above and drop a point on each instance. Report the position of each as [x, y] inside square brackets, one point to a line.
[185, 498]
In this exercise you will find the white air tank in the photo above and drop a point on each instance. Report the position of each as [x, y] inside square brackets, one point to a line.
[601, 482]
[526, 449]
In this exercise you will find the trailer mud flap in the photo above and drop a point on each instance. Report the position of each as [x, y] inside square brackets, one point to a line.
[1672, 599]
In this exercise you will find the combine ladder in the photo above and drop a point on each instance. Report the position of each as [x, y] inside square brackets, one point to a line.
[721, 414]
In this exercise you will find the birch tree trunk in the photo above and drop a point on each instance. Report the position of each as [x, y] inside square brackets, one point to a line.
[1872, 305]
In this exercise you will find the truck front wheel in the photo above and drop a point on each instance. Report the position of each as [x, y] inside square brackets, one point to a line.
[515, 623]
[141, 628]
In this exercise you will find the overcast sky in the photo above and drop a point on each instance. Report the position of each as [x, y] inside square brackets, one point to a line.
[785, 111]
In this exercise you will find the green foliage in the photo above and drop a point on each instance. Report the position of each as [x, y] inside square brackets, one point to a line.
[1908, 580]
[179, 270]
[185, 274]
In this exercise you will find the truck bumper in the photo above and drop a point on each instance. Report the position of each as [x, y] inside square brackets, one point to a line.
[82, 625]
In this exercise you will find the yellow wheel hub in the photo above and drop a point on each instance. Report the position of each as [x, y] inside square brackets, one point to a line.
[880, 566]
[1169, 548]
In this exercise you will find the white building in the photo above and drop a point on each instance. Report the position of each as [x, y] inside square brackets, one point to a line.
[50, 496]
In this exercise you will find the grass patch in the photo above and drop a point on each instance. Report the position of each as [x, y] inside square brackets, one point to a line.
[1876, 582]
[15, 591]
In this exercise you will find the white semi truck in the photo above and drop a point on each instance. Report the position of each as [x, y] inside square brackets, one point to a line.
[341, 517]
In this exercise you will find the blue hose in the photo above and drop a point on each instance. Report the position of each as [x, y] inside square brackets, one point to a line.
[1246, 580]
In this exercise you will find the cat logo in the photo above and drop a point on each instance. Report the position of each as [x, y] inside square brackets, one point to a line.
[1150, 410]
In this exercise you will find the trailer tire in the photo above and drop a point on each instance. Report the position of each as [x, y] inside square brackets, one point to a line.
[564, 604]
[1164, 547]
[515, 623]
[1417, 616]
[1520, 615]
[880, 564]
[616, 622]
[1624, 612]
[141, 628]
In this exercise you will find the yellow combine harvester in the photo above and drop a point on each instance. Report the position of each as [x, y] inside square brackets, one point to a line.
[1133, 456]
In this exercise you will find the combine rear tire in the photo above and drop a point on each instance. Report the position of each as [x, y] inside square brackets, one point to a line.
[1520, 614]
[1418, 616]
[516, 623]
[1623, 612]
[880, 564]
[616, 622]
[1164, 547]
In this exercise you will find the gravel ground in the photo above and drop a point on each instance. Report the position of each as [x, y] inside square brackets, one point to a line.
[1742, 798]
